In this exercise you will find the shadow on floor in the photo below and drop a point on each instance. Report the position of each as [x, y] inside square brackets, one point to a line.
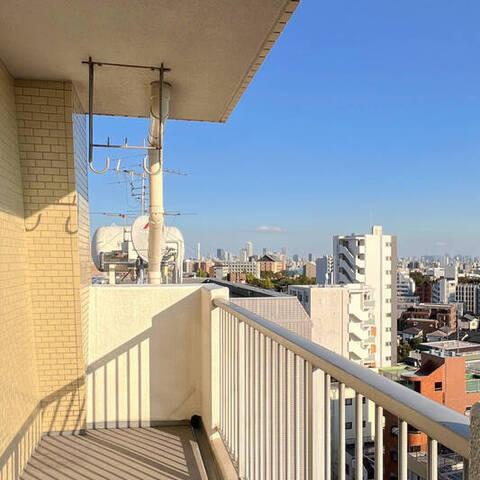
[148, 453]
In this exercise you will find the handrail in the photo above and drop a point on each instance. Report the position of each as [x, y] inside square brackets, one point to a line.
[447, 426]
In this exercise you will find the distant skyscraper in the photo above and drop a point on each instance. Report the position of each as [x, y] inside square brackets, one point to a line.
[243, 255]
[220, 253]
[264, 251]
[295, 258]
[372, 259]
[198, 251]
[249, 248]
[324, 270]
[310, 257]
[284, 251]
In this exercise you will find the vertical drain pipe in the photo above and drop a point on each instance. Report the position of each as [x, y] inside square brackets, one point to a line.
[159, 109]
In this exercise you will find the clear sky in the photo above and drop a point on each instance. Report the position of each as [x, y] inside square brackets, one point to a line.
[364, 112]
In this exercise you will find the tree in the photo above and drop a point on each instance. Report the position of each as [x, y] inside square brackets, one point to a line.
[202, 273]
[266, 283]
[403, 350]
[266, 274]
[419, 278]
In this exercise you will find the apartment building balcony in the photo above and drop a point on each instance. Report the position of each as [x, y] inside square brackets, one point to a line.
[367, 343]
[133, 382]
[158, 356]
[359, 330]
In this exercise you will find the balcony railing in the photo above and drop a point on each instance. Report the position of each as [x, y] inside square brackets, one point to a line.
[275, 405]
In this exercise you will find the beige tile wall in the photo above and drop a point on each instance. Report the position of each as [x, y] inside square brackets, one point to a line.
[19, 415]
[56, 222]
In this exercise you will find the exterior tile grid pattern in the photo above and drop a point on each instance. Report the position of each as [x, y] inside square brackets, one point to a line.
[18, 372]
[45, 137]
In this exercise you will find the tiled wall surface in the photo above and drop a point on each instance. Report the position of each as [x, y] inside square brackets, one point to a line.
[18, 372]
[55, 224]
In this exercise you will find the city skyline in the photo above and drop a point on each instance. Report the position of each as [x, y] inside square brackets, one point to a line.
[366, 129]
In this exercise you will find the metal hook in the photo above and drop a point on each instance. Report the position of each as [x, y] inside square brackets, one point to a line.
[146, 169]
[92, 168]
[118, 165]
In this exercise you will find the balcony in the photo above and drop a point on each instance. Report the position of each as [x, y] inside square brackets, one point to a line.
[159, 355]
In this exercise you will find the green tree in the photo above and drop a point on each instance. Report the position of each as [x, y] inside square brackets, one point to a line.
[266, 283]
[403, 350]
[202, 273]
[266, 274]
[419, 278]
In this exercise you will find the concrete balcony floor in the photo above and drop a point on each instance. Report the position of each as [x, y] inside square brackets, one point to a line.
[128, 454]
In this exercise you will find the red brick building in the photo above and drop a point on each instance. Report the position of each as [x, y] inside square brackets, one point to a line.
[429, 317]
[424, 291]
[441, 378]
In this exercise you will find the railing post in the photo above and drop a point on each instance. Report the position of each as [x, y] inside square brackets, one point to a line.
[472, 468]
[242, 346]
[318, 424]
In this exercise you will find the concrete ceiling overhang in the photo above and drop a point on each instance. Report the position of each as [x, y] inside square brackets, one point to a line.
[213, 47]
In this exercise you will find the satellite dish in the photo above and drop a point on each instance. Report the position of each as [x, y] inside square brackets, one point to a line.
[140, 236]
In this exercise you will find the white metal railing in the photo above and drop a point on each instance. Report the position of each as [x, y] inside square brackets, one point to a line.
[273, 383]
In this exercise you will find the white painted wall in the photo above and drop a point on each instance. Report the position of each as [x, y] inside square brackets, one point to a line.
[149, 354]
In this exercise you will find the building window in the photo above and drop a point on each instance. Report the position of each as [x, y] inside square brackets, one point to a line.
[394, 455]
[348, 401]
[348, 425]
[388, 329]
[438, 386]
[388, 344]
[388, 315]
[364, 424]
[414, 448]
[388, 358]
[364, 400]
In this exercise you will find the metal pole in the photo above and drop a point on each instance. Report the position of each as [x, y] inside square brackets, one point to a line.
[358, 436]
[432, 459]
[90, 109]
[143, 195]
[378, 442]
[328, 440]
[341, 431]
[160, 102]
[402, 450]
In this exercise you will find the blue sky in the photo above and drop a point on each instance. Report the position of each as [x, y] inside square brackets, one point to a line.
[364, 112]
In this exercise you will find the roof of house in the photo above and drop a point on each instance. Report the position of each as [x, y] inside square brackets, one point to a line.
[412, 330]
[437, 333]
[270, 257]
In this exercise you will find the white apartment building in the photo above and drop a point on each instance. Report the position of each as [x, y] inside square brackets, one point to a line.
[451, 271]
[444, 291]
[324, 270]
[249, 248]
[343, 321]
[405, 284]
[371, 259]
[468, 295]
[251, 268]
[343, 318]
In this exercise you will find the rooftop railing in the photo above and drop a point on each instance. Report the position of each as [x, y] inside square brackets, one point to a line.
[275, 405]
